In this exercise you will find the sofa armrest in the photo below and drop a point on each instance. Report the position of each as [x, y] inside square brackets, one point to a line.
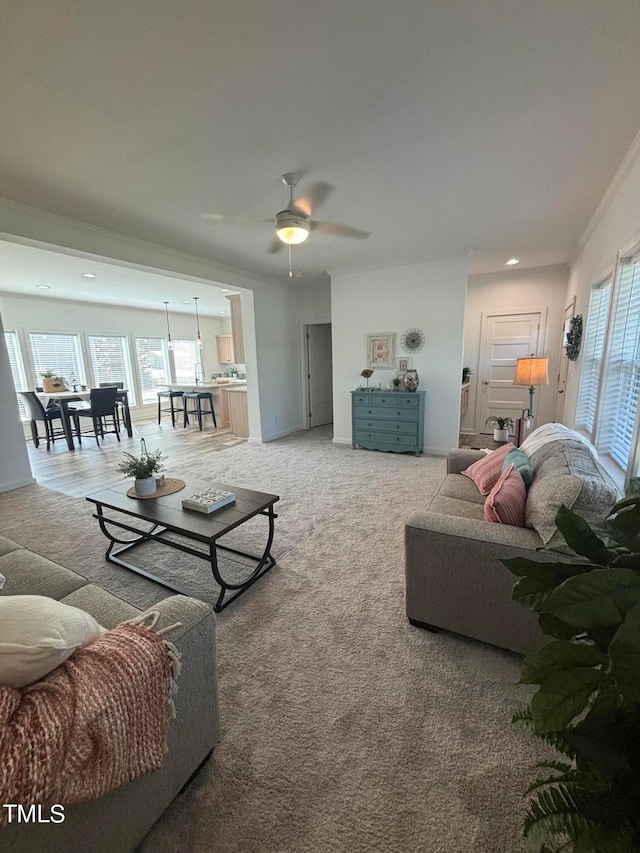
[458, 460]
[182, 611]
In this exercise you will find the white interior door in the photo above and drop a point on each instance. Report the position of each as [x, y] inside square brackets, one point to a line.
[507, 337]
[564, 362]
[320, 377]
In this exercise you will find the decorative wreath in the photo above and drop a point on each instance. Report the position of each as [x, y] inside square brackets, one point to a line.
[574, 338]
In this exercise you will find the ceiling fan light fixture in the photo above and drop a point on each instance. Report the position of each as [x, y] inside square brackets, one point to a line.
[292, 227]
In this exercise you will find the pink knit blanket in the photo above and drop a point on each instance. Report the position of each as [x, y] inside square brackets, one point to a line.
[94, 723]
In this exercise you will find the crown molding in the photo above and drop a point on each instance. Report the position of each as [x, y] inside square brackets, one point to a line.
[624, 169]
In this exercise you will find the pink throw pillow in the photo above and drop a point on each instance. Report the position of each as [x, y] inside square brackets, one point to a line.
[505, 504]
[486, 472]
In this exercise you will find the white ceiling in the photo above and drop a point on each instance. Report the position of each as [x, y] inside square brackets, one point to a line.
[491, 126]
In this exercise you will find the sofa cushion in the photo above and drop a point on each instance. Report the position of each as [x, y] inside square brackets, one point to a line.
[566, 473]
[105, 607]
[461, 488]
[29, 573]
[506, 500]
[2, 581]
[456, 507]
[523, 464]
[37, 634]
[7, 546]
[485, 473]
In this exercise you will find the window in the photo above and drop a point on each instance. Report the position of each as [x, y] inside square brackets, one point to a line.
[58, 353]
[17, 368]
[153, 367]
[185, 358]
[622, 369]
[110, 361]
[592, 356]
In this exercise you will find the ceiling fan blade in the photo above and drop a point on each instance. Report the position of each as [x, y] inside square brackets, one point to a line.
[339, 230]
[220, 219]
[313, 198]
[276, 246]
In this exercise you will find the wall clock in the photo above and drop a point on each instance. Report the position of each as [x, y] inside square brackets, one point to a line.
[412, 340]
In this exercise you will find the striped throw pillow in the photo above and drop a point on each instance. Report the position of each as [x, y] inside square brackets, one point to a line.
[486, 471]
[506, 500]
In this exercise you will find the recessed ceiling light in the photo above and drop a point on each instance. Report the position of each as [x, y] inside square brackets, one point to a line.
[512, 262]
[89, 275]
[224, 290]
[222, 312]
[43, 287]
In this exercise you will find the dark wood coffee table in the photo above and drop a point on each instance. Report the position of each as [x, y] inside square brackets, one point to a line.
[115, 512]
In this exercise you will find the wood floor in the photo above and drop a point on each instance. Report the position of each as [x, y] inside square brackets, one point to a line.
[89, 467]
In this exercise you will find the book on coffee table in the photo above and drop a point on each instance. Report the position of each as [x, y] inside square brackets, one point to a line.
[208, 500]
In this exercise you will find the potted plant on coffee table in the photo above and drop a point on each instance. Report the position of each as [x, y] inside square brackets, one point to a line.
[501, 427]
[142, 468]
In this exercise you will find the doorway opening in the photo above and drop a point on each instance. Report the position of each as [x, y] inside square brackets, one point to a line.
[319, 374]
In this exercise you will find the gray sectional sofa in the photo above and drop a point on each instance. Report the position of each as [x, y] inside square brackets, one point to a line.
[117, 822]
[453, 574]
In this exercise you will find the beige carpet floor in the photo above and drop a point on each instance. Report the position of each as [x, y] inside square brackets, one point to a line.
[344, 728]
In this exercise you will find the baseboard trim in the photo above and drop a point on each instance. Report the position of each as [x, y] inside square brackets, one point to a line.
[9, 487]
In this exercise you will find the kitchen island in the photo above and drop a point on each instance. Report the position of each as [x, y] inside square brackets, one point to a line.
[219, 391]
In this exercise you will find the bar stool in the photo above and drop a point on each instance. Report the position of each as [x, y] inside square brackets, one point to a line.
[170, 396]
[198, 397]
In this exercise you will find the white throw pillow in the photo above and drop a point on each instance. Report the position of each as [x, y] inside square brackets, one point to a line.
[3, 580]
[37, 634]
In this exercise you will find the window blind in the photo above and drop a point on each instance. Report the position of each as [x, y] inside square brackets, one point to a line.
[17, 369]
[153, 367]
[622, 370]
[592, 353]
[185, 357]
[58, 353]
[110, 361]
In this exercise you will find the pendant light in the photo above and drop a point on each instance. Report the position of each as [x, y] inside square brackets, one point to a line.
[198, 339]
[169, 341]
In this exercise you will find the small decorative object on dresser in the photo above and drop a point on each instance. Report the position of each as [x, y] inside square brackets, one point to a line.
[411, 380]
[501, 427]
[367, 374]
[396, 382]
[388, 421]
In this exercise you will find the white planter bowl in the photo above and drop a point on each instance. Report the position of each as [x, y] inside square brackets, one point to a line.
[501, 435]
[146, 486]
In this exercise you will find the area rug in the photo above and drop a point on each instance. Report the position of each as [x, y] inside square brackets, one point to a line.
[344, 728]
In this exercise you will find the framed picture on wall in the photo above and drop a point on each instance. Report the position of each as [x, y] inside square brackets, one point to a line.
[403, 364]
[381, 351]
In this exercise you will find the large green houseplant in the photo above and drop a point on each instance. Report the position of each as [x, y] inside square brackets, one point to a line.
[587, 704]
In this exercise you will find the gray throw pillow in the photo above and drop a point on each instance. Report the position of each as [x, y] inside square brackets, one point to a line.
[521, 461]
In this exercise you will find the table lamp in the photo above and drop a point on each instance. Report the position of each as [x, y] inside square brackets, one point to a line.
[532, 371]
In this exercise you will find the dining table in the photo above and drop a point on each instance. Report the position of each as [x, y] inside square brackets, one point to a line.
[63, 398]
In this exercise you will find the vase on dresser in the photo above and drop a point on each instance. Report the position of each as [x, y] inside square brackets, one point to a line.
[410, 380]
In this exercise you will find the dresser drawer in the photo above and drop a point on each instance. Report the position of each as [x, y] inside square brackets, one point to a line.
[385, 412]
[385, 438]
[361, 399]
[398, 401]
[406, 426]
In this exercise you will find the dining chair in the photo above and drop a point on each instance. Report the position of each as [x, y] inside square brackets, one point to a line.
[120, 400]
[37, 412]
[102, 407]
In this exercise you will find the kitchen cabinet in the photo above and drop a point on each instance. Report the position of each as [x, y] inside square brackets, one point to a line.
[236, 328]
[224, 346]
[238, 412]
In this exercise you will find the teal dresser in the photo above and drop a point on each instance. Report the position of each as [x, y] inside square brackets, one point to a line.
[388, 420]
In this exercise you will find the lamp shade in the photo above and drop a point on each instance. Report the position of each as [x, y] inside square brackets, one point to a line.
[532, 371]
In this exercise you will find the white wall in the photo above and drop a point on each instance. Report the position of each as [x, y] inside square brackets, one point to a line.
[15, 469]
[38, 314]
[428, 296]
[614, 228]
[515, 290]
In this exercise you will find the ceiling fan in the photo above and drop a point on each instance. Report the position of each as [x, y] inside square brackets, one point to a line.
[294, 224]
